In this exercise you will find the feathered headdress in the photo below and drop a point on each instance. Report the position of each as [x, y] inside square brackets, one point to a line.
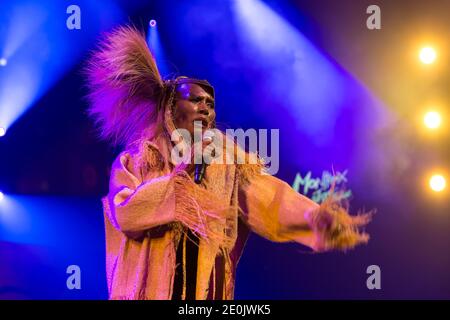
[125, 86]
[128, 99]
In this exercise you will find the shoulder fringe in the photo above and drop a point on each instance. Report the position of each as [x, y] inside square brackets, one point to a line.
[208, 216]
[202, 212]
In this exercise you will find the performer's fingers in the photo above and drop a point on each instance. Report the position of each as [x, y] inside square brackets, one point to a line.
[363, 238]
[361, 220]
[347, 239]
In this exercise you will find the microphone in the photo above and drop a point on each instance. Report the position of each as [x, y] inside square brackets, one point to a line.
[200, 169]
[199, 172]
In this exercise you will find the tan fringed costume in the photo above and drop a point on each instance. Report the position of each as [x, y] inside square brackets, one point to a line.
[141, 214]
[152, 203]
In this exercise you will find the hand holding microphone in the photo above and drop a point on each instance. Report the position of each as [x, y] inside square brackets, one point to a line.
[200, 169]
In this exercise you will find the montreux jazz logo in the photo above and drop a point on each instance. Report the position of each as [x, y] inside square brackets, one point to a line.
[317, 189]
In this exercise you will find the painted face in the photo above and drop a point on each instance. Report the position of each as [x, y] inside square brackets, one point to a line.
[193, 103]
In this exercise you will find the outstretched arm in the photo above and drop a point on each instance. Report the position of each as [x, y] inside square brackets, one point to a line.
[272, 209]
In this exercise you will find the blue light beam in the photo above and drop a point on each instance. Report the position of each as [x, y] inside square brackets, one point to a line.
[154, 43]
[40, 49]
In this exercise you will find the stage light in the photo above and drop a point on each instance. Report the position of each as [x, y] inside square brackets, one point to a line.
[1, 196]
[310, 72]
[155, 46]
[432, 120]
[28, 76]
[427, 55]
[437, 183]
[2, 131]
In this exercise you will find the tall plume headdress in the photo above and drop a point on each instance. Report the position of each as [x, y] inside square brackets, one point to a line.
[128, 99]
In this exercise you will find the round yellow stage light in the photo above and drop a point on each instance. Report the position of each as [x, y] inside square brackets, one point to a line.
[427, 55]
[432, 120]
[437, 183]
